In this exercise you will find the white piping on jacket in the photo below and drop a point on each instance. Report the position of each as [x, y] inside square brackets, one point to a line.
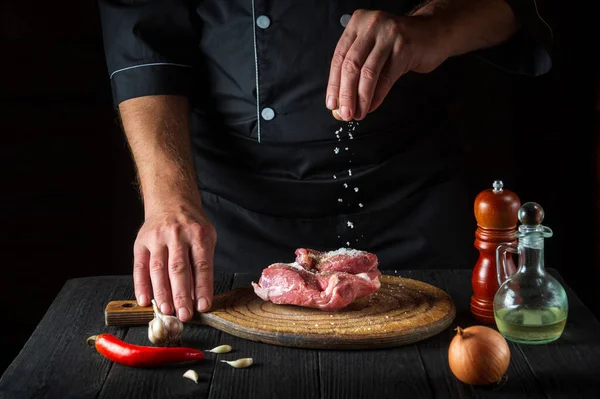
[256, 71]
[147, 65]
[543, 20]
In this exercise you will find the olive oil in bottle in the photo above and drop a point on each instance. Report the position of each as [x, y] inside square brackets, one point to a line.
[539, 326]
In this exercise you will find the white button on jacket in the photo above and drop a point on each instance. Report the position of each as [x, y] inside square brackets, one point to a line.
[345, 19]
[263, 22]
[268, 114]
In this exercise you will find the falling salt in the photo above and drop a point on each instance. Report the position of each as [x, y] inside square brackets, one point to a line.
[369, 328]
[349, 128]
[316, 325]
[332, 324]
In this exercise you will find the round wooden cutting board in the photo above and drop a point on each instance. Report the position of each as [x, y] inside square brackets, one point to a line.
[402, 311]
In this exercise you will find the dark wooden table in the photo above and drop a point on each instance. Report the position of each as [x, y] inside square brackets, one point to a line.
[56, 363]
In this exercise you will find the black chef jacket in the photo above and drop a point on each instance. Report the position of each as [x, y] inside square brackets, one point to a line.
[275, 169]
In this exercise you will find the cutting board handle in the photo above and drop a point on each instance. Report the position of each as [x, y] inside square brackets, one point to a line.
[127, 313]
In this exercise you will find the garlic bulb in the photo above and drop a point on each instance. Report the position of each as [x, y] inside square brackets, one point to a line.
[164, 330]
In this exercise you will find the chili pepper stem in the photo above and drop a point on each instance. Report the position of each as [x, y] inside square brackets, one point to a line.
[91, 341]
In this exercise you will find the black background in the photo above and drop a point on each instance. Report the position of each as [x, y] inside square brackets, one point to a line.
[69, 206]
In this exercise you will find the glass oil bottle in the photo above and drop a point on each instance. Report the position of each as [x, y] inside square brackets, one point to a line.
[531, 306]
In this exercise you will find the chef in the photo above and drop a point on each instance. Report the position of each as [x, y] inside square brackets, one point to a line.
[258, 127]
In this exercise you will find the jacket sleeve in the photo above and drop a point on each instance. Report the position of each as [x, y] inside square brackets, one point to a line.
[529, 51]
[150, 46]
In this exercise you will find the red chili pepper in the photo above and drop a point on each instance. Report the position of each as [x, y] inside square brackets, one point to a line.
[131, 355]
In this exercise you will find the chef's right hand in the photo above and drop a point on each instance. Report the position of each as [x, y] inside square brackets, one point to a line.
[173, 259]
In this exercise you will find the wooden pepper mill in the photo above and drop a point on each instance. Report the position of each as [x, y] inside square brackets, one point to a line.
[496, 212]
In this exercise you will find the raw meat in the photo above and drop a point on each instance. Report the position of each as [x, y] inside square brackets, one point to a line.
[324, 280]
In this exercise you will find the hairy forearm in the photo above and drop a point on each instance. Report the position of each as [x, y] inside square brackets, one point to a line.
[468, 25]
[157, 130]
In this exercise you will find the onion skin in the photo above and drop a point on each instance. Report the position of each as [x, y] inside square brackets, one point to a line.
[478, 355]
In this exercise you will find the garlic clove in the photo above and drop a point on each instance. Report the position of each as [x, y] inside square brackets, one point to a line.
[239, 363]
[221, 349]
[156, 331]
[191, 375]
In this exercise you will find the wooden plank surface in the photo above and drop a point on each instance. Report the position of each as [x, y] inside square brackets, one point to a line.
[56, 362]
[168, 382]
[401, 312]
[278, 372]
[382, 373]
[520, 381]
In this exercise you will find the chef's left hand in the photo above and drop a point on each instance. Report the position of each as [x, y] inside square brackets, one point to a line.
[375, 49]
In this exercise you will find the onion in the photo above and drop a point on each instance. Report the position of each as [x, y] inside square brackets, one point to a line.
[478, 355]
